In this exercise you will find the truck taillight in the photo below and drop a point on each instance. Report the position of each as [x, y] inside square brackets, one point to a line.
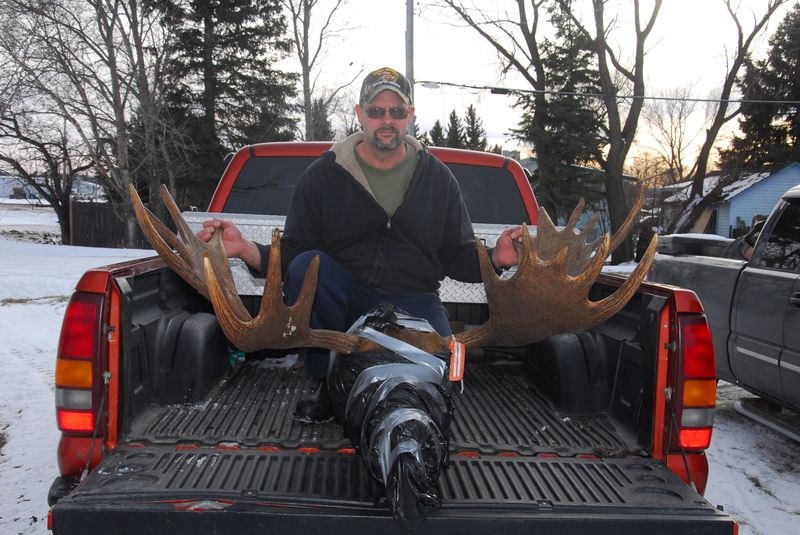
[696, 385]
[78, 353]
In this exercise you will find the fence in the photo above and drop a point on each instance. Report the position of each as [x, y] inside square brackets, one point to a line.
[100, 224]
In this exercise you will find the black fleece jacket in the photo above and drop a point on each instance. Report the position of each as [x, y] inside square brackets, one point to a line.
[429, 236]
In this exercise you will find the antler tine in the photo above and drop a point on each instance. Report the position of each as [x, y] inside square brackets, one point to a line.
[276, 326]
[184, 232]
[576, 214]
[612, 304]
[546, 296]
[187, 261]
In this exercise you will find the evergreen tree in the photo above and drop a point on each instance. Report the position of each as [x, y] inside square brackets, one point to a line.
[455, 132]
[564, 129]
[321, 127]
[425, 139]
[422, 137]
[770, 131]
[227, 91]
[437, 135]
[474, 133]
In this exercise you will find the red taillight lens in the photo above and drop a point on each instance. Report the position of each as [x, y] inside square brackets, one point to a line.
[695, 439]
[81, 422]
[698, 349]
[81, 328]
[76, 371]
[695, 384]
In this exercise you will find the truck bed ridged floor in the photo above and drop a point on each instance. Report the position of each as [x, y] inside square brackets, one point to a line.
[498, 411]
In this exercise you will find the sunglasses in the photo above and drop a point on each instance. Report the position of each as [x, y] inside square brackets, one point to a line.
[398, 112]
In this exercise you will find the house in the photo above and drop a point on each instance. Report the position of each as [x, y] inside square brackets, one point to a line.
[744, 200]
[7, 185]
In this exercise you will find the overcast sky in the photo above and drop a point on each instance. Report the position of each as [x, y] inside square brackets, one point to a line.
[687, 48]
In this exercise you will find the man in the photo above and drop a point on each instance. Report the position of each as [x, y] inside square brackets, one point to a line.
[387, 220]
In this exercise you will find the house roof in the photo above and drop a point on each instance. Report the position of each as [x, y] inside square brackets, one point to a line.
[681, 189]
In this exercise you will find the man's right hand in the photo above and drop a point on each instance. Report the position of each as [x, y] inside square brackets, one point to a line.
[234, 243]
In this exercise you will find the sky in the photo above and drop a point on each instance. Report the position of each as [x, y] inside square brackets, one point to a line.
[687, 49]
[754, 472]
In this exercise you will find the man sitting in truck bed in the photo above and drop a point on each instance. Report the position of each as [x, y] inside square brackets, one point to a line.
[387, 220]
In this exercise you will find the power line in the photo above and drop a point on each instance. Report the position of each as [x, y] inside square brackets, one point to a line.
[507, 91]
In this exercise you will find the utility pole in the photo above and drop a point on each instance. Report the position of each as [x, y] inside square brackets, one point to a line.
[410, 53]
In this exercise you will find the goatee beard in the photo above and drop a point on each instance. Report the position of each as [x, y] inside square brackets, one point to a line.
[387, 144]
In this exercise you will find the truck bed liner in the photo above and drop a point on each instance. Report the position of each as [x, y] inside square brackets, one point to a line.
[240, 453]
[271, 491]
[499, 411]
[343, 479]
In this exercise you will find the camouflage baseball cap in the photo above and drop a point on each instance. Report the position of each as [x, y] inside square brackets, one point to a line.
[385, 79]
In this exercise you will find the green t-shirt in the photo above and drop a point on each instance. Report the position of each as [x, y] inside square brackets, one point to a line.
[390, 185]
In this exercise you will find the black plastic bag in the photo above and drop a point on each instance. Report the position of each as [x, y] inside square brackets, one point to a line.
[396, 408]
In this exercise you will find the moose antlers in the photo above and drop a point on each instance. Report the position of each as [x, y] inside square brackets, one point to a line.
[548, 294]
[205, 267]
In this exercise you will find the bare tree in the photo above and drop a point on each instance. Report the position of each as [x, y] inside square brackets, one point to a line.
[145, 62]
[623, 111]
[37, 143]
[344, 115]
[95, 64]
[697, 200]
[651, 168]
[41, 153]
[515, 35]
[310, 50]
[668, 117]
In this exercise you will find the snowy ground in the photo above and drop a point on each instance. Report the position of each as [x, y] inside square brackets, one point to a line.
[755, 472]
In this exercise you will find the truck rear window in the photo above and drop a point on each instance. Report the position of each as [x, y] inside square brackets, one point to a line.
[491, 194]
[265, 186]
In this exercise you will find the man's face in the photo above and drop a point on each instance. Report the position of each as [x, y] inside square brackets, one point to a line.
[382, 122]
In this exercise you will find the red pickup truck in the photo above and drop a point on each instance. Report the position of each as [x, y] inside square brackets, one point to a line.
[166, 428]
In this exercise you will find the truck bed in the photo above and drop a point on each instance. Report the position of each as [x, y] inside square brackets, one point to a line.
[549, 438]
[512, 452]
[499, 411]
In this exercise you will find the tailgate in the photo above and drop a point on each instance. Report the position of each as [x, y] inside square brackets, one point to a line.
[164, 489]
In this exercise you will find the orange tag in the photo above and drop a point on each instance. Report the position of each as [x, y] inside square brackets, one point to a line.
[458, 354]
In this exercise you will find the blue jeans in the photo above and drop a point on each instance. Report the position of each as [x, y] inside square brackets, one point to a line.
[342, 298]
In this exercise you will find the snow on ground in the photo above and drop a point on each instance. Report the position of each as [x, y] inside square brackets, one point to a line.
[755, 472]
[37, 281]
